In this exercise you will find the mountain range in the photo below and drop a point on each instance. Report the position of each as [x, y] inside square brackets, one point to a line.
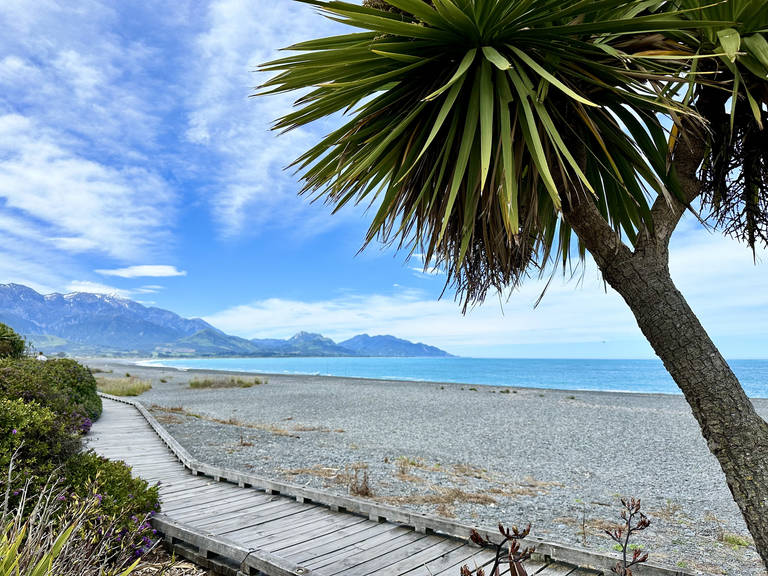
[82, 324]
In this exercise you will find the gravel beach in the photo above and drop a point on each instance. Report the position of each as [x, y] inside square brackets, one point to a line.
[480, 454]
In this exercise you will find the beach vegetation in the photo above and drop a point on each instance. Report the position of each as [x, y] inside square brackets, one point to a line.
[63, 385]
[504, 139]
[130, 386]
[99, 370]
[35, 439]
[121, 495]
[355, 478]
[508, 550]
[12, 345]
[52, 493]
[735, 541]
[632, 522]
[230, 382]
[51, 531]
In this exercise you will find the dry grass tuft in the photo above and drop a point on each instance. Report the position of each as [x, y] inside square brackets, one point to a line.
[469, 471]
[355, 478]
[168, 419]
[231, 382]
[128, 386]
[669, 511]
[317, 471]
[444, 499]
[232, 421]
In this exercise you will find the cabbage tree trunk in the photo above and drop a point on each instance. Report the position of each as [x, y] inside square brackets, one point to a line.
[735, 433]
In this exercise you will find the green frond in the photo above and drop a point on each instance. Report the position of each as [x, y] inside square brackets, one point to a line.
[471, 122]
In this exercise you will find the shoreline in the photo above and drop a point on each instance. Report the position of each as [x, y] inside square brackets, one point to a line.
[143, 364]
[556, 458]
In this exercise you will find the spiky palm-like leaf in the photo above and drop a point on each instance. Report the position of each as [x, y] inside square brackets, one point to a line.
[465, 116]
[736, 170]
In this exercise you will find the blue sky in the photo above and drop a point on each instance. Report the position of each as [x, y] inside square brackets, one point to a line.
[133, 161]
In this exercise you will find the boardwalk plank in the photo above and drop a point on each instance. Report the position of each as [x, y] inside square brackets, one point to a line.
[435, 552]
[557, 570]
[381, 561]
[365, 550]
[454, 559]
[335, 541]
[322, 528]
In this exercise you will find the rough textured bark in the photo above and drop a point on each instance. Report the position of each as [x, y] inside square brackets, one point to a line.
[735, 433]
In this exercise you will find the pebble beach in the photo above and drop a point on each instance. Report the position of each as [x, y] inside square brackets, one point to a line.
[560, 460]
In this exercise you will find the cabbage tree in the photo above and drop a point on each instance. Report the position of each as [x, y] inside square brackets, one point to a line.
[498, 137]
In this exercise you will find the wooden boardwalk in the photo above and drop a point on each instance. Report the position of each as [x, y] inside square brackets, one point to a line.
[280, 529]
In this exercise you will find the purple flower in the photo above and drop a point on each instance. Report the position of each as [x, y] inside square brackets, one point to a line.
[14, 431]
[62, 497]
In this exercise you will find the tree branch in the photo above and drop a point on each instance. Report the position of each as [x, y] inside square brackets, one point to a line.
[688, 155]
[602, 241]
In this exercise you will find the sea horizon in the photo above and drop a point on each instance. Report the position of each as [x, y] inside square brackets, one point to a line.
[577, 374]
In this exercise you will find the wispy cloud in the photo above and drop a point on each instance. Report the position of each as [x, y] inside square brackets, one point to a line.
[81, 117]
[146, 270]
[252, 192]
[78, 204]
[491, 329]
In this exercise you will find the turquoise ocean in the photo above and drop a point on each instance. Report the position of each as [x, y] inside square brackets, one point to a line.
[647, 376]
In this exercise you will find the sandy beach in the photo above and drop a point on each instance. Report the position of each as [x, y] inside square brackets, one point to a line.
[481, 454]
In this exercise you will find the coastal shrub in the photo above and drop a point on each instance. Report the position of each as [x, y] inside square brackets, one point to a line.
[11, 344]
[120, 495]
[78, 381]
[37, 437]
[131, 386]
[51, 533]
[62, 385]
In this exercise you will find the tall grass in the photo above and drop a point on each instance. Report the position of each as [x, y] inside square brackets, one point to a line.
[231, 382]
[130, 386]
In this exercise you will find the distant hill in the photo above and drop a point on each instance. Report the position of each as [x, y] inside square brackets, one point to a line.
[364, 345]
[82, 324]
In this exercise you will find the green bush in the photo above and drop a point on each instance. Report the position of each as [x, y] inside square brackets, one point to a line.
[121, 495]
[78, 381]
[45, 440]
[62, 385]
[11, 344]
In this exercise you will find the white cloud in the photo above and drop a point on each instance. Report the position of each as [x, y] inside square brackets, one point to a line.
[67, 67]
[252, 191]
[141, 271]
[78, 204]
[567, 315]
[81, 115]
[99, 288]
